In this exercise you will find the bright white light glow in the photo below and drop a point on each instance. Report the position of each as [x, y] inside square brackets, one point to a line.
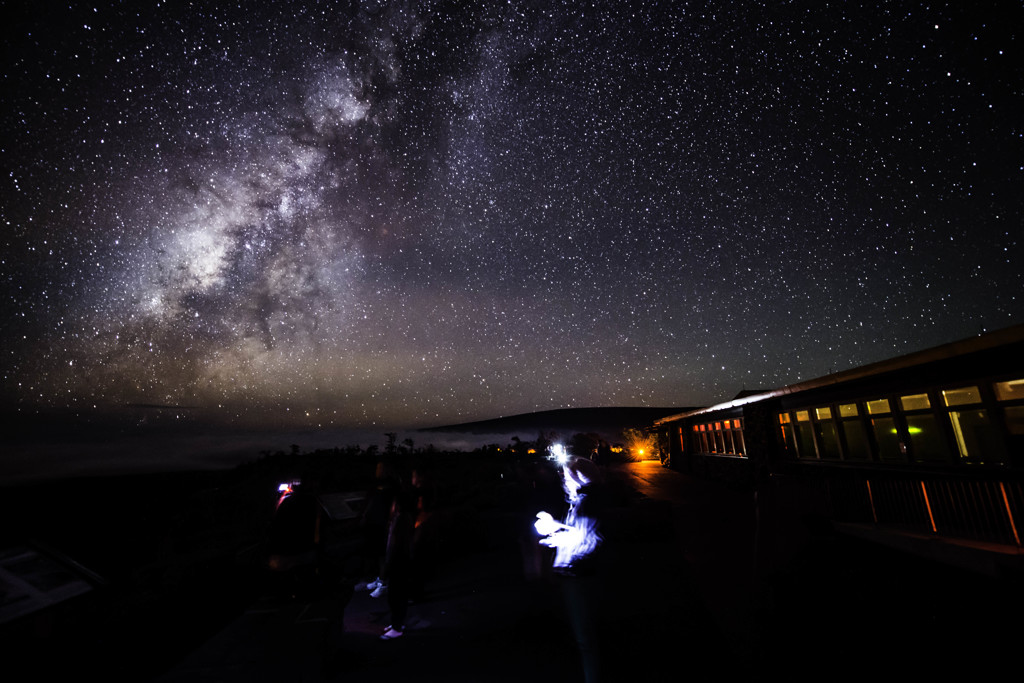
[285, 489]
[577, 537]
[546, 524]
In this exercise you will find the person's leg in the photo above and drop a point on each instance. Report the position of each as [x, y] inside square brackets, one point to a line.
[398, 603]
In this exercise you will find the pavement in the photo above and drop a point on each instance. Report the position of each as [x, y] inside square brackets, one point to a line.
[496, 612]
[695, 579]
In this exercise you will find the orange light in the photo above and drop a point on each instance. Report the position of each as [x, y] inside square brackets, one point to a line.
[871, 499]
[1009, 513]
[928, 505]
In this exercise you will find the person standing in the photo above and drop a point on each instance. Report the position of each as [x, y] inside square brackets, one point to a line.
[374, 526]
[397, 574]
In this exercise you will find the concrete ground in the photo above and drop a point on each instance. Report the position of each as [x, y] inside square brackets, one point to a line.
[493, 614]
[694, 580]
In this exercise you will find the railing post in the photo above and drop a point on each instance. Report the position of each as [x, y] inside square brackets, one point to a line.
[871, 499]
[927, 504]
[1009, 513]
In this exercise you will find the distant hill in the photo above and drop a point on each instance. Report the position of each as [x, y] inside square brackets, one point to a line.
[607, 422]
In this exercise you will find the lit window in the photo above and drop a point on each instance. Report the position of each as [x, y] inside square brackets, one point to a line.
[927, 441]
[823, 413]
[804, 436]
[1015, 420]
[1009, 391]
[787, 435]
[916, 402]
[960, 397]
[738, 438]
[857, 446]
[879, 407]
[848, 410]
[890, 448]
[977, 439]
[828, 439]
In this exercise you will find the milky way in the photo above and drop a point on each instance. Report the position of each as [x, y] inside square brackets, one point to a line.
[352, 214]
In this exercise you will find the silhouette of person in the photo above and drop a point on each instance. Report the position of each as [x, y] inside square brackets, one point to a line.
[424, 540]
[577, 544]
[294, 537]
[374, 521]
[397, 571]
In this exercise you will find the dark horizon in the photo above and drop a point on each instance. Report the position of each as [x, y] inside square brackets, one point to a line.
[47, 447]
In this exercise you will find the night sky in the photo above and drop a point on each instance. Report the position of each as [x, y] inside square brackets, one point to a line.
[356, 214]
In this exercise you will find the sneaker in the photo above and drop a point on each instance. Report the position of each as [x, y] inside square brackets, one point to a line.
[379, 591]
[391, 633]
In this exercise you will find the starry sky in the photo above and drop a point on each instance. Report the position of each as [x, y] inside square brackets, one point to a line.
[355, 214]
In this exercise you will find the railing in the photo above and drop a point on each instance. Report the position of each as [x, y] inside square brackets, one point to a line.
[988, 510]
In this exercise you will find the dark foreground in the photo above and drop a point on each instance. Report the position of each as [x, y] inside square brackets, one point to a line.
[679, 590]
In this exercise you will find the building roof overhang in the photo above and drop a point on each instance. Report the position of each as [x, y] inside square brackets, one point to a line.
[983, 342]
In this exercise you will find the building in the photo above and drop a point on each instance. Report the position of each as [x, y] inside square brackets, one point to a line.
[924, 446]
